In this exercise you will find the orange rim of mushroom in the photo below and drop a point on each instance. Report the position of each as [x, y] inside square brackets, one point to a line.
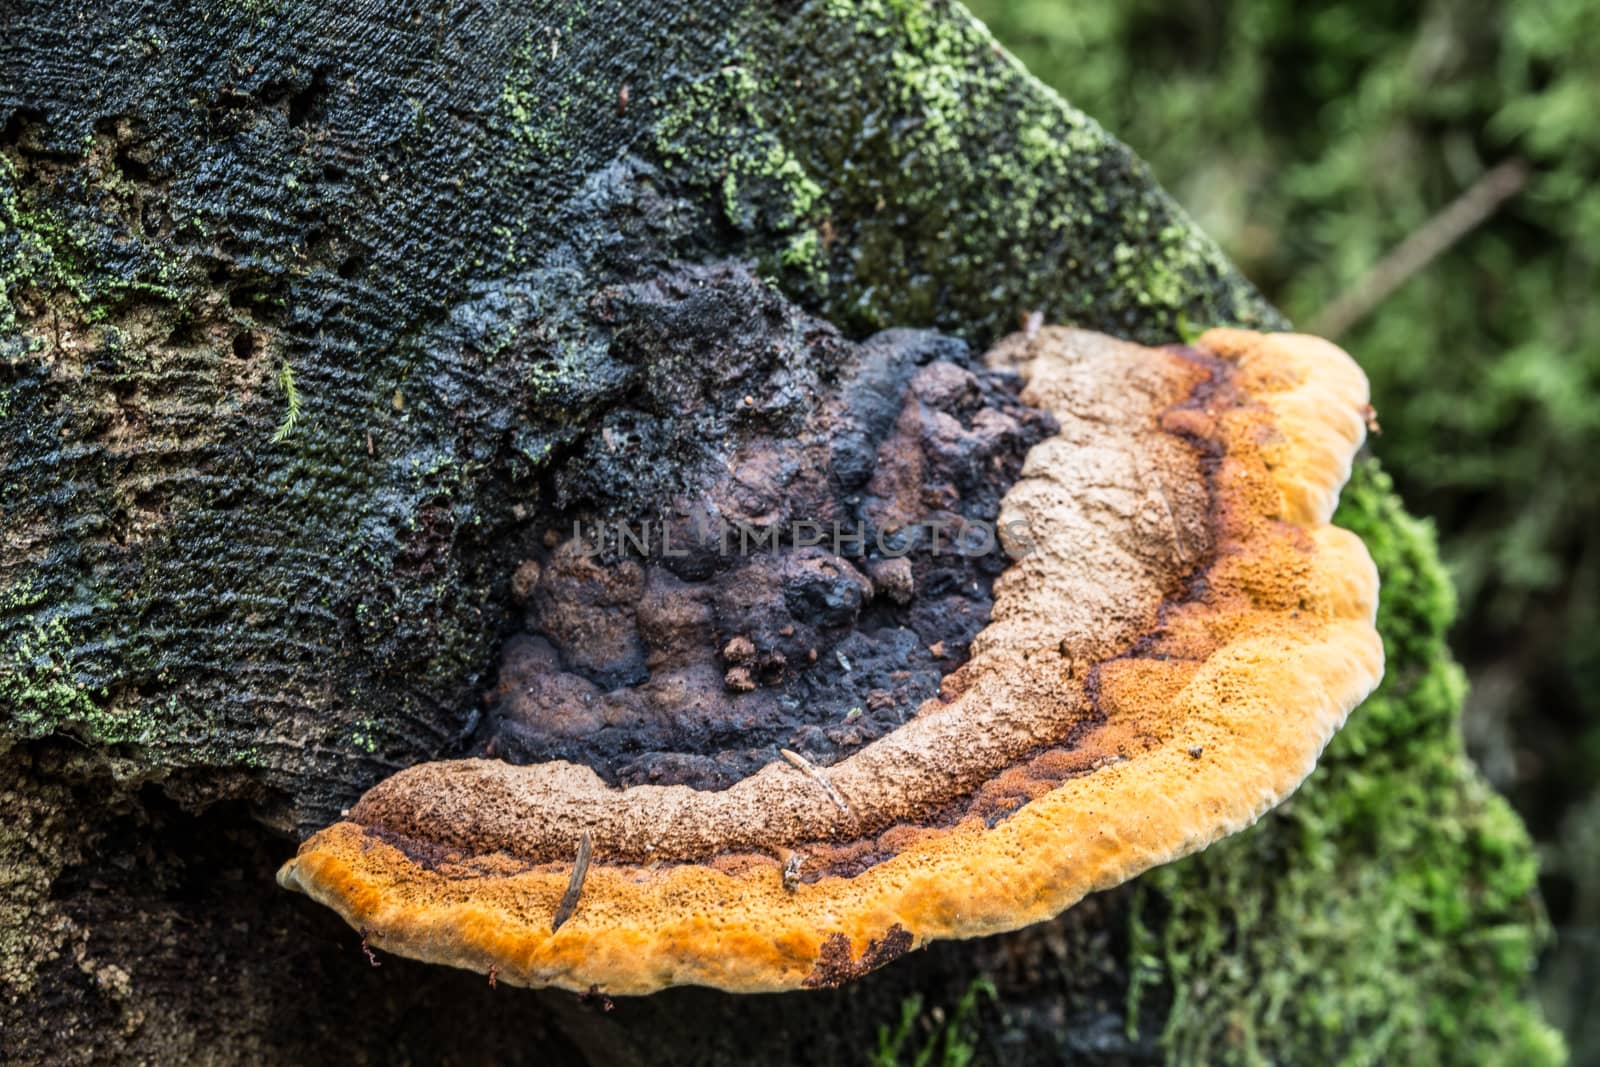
[1179, 635]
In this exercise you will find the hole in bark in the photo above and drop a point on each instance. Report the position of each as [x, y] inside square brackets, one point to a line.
[187, 332]
[307, 105]
[128, 162]
[262, 300]
[20, 128]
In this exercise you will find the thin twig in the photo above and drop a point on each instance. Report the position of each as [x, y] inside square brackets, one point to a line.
[1460, 217]
[569, 899]
[808, 768]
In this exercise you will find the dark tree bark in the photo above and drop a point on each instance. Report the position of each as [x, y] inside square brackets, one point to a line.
[311, 314]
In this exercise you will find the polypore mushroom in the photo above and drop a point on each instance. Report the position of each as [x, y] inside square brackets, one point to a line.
[1179, 633]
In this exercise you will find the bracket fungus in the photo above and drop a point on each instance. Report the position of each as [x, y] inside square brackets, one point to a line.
[1175, 637]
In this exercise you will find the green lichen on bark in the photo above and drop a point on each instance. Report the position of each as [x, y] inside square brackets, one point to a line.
[1386, 912]
[891, 163]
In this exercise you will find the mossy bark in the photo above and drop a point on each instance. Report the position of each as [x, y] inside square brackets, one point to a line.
[303, 306]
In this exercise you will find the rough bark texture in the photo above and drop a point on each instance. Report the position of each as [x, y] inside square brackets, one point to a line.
[309, 309]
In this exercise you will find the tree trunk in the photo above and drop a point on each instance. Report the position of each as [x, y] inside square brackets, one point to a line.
[311, 313]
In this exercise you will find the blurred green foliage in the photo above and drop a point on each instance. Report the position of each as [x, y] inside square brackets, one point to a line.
[933, 1037]
[1312, 138]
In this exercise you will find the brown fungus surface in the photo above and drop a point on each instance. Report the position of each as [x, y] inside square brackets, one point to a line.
[1171, 586]
[811, 594]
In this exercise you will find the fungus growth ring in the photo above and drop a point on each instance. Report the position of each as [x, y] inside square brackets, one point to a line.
[1164, 665]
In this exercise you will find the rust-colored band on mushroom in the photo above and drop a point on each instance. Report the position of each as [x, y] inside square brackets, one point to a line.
[1180, 590]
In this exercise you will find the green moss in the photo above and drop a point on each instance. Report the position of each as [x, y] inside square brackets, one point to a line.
[538, 120]
[1386, 912]
[944, 186]
[291, 403]
[950, 1037]
[364, 735]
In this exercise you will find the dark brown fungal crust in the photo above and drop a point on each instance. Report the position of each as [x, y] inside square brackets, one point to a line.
[837, 965]
[689, 645]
